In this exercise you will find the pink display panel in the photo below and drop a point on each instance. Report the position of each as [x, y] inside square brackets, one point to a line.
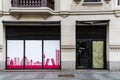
[33, 53]
[15, 51]
[51, 56]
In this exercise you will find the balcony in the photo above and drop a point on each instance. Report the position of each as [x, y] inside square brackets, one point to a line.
[41, 7]
[33, 3]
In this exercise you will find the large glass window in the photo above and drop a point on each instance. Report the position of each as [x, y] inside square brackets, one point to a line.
[33, 47]
[15, 54]
[33, 53]
[51, 54]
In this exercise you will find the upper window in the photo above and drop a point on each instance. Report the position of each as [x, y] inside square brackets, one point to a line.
[92, 0]
[118, 2]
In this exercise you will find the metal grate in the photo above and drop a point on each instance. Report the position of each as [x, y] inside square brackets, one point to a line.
[66, 75]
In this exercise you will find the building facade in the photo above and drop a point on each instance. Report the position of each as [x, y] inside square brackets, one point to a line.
[60, 34]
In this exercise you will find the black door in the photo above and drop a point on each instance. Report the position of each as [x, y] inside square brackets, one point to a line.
[91, 47]
[90, 54]
[83, 54]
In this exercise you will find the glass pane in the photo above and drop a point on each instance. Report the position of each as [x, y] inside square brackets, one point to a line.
[51, 54]
[15, 54]
[98, 54]
[33, 53]
[83, 54]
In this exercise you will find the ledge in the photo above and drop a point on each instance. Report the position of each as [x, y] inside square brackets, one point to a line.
[68, 48]
[0, 13]
[114, 48]
[92, 3]
[117, 13]
[1, 47]
[43, 11]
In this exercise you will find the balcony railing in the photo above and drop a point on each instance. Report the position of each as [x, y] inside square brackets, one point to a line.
[33, 3]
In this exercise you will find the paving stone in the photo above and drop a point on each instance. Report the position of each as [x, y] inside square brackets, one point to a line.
[115, 75]
[99, 77]
[54, 75]
[2, 76]
[89, 76]
[50, 75]
[80, 76]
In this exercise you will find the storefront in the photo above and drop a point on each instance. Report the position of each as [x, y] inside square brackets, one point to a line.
[91, 44]
[33, 45]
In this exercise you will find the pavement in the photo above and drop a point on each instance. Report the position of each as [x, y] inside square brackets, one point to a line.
[59, 75]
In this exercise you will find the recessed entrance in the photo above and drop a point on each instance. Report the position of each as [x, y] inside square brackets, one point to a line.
[91, 47]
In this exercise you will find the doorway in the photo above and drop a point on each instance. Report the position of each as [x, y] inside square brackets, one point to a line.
[91, 47]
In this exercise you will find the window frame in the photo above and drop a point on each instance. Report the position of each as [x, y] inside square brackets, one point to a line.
[91, 1]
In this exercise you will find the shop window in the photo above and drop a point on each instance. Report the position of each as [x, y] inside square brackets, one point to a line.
[33, 47]
[33, 54]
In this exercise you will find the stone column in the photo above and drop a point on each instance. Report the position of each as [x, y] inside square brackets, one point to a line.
[2, 48]
[68, 44]
[114, 58]
[0, 7]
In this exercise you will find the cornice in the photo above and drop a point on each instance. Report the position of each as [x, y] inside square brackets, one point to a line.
[1, 13]
[64, 14]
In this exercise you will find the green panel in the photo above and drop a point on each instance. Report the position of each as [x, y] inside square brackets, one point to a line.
[98, 54]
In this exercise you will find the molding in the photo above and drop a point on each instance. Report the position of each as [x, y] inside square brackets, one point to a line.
[92, 3]
[1, 13]
[45, 13]
[114, 48]
[31, 23]
[77, 1]
[91, 12]
[117, 13]
[92, 22]
[68, 48]
[107, 1]
[64, 14]
[1, 47]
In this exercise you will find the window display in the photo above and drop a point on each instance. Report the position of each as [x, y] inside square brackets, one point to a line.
[33, 53]
[15, 54]
[51, 54]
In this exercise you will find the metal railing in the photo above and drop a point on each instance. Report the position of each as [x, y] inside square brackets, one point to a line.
[33, 3]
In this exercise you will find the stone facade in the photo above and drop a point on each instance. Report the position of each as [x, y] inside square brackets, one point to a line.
[68, 11]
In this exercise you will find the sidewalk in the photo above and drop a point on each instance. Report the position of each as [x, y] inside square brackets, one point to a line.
[59, 75]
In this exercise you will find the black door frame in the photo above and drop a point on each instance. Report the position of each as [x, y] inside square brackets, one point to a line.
[94, 23]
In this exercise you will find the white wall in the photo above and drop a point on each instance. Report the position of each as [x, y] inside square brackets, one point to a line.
[65, 5]
[0, 5]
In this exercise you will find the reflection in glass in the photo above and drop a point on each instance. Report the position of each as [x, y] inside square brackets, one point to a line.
[51, 54]
[15, 54]
[82, 54]
[33, 54]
